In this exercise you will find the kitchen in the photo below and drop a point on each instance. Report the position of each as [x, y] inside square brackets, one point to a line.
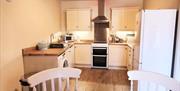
[97, 53]
[35, 32]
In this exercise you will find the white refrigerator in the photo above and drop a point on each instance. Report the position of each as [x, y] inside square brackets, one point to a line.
[157, 43]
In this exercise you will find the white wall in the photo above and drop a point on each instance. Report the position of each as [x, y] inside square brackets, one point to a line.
[77, 4]
[22, 24]
[177, 58]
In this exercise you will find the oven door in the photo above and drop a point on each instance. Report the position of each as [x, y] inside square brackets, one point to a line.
[99, 60]
[99, 50]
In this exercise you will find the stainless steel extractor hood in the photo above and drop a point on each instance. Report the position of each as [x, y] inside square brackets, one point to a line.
[101, 24]
[101, 18]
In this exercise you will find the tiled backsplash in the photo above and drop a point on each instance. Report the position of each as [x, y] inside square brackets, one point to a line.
[84, 35]
[54, 37]
[89, 35]
[125, 35]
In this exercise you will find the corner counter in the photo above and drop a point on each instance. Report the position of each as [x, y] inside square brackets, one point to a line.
[84, 42]
[32, 51]
[131, 45]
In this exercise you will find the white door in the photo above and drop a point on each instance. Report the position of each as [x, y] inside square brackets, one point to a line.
[157, 38]
[177, 58]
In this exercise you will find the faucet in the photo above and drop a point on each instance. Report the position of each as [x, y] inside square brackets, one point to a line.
[51, 38]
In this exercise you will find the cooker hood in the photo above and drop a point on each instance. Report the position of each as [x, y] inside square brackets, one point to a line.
[101, 18]
[101, 24]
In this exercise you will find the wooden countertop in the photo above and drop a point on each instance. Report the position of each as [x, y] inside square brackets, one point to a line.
[118, 44]
[32, 51]
[131, 45]
[84, 42]
[58, 51]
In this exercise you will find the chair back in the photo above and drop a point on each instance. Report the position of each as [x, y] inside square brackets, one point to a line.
[155, 78]
[52, 74]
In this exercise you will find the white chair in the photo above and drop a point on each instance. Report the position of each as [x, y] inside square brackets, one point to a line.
[51, 74]
[151, 77]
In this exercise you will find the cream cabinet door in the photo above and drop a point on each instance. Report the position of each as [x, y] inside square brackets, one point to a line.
[130, 18]
[123, 19]
[117, 19]
[117, 55]
[83, 54]
[84, 20]
[78, 19]
[71, 20]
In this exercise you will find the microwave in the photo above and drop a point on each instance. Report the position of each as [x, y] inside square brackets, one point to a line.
[68, 38]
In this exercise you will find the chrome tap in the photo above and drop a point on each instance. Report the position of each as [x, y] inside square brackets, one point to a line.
[51, 37]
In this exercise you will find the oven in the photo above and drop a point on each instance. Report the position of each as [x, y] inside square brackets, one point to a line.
[99, 54]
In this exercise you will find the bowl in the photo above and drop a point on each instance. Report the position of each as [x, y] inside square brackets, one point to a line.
[43, 45]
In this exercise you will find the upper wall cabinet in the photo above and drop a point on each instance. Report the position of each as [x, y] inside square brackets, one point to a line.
[123, 19]
[78, 20]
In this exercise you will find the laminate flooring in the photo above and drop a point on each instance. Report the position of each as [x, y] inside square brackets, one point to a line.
[102, 80]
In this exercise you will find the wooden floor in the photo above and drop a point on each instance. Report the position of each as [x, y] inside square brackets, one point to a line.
[102, 80]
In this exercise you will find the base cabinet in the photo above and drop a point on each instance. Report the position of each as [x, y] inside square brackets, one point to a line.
[129, 58]
[34, 64]
[117, 56]
[82, 54]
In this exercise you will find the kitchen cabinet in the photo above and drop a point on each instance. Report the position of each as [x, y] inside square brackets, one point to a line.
[129, 58]
[37, 63]
[69, 55]
[78, 20]
[38, 60]
[83, 54]
[123, 19]
[117, 55]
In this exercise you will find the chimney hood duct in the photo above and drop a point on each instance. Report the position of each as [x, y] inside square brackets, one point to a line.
[101, 24]
[101, 13]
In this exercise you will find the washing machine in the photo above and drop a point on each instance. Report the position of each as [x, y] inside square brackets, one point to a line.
[62, 61]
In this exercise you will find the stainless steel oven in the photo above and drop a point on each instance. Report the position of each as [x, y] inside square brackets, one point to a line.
[100, 58]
